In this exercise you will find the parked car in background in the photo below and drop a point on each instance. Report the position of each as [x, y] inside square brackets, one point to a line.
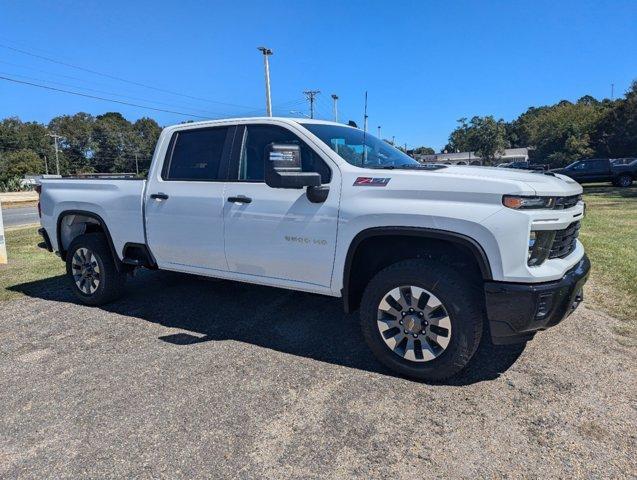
[622, 161]
[600, 170]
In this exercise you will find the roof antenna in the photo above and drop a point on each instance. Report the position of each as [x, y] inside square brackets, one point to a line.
[365, 132]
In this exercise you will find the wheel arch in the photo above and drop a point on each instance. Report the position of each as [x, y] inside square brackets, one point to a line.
[97, 220]
[351, 296]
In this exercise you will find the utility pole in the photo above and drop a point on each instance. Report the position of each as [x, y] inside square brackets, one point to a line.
[393, 139]
[365, 117]
[136, 164]
[379, 132]
[57, 158]
[612, 91]
[335, 98]
[311, 95]
[268, 101]
[46, 165]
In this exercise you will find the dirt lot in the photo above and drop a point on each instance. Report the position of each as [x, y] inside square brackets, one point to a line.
[190, 378]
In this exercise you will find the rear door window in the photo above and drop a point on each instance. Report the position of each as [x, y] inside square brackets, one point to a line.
[195, 155]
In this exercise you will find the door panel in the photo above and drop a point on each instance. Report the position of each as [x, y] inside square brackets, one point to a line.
[186, 229]
[279, 233]
[184, 203]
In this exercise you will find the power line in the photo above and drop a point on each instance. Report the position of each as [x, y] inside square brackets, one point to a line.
[108, 93]
[120, 79]
[101, 98]
[47, 87]
[188, 107]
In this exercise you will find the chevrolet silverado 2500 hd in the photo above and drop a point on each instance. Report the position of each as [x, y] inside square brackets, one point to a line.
[431, 255]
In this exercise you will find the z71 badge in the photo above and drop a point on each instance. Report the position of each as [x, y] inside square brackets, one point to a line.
[371, 182]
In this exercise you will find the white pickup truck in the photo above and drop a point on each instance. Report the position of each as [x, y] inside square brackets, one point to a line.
[432, 255]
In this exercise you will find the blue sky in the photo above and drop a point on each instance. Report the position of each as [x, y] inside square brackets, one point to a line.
[425, 64]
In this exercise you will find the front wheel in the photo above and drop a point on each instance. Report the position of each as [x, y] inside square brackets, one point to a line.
[422, 319]
[91, 268]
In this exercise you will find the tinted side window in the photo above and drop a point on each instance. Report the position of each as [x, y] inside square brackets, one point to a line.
[257, 137]
[599, 165]
[195, 154]
[579, 166]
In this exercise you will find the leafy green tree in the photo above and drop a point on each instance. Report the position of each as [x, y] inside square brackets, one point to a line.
[616, 132]
[18, 163]
[423, 151]
[145, 133]
[484, 135]
[561, 133]
[76, 143]
[111, 134]
[17, 135]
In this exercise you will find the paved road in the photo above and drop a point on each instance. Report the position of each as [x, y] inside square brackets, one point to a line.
[16, 216]
[185, 378]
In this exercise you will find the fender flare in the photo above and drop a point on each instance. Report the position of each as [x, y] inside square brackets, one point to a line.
[95, 216]
[459, 239]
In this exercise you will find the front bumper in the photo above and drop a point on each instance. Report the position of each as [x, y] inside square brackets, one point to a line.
[517, 310]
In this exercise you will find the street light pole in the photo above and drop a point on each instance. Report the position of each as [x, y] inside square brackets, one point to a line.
[268, 101]
[335, 98]
[379, 132]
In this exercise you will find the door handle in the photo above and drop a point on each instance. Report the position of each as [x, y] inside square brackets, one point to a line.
[159, 196]
[240, 199]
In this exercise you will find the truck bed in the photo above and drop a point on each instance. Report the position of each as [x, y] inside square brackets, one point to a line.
[118, 202]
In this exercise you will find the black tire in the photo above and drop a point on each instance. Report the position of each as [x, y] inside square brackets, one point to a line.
[461, 299]
[623, 181]
[111, 282]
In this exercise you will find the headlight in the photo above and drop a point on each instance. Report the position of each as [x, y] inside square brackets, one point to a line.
[519, 202]
[540, 243]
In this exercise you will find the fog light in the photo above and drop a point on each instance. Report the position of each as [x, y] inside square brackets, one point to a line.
[544, 304]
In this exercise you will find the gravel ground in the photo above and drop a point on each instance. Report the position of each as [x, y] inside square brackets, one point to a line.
[191, 378]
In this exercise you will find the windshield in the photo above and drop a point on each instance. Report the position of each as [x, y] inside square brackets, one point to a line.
[361, 149]
[570, 166]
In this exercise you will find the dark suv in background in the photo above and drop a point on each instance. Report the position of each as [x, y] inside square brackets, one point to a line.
[601, 170]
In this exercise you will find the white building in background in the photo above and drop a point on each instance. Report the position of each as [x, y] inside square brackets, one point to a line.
[470, 158]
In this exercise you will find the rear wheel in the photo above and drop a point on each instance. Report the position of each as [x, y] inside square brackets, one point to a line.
[624, 181]
[422, 319]
[91, 268]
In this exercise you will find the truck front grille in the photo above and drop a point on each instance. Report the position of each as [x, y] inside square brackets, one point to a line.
[562, 203]
[565, 241]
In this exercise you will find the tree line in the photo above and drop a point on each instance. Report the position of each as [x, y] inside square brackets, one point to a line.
[556, 134]
[109, 143]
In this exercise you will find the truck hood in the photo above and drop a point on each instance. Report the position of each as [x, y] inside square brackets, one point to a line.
[542, 183]
[484, 180]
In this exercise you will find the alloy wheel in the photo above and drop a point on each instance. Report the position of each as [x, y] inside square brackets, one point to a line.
[86, 271]
[414, 323]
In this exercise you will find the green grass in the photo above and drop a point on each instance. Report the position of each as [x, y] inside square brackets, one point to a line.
[27, 262]
[609, 233]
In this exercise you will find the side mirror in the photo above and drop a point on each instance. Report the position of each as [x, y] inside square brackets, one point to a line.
[283, 168]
